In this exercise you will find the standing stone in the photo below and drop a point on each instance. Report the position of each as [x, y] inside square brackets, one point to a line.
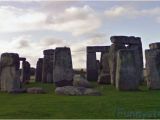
[9, 72]
[154, 45]
[104, 77]
[98, 66]
[39, 68]
[126, 73]
[62, 69]
[102, 53]
[26, 70]
[128, 43]
[138, 56]
[113, 60]
[47, 74]
[92, 68]
[33, 71]
[153, 68]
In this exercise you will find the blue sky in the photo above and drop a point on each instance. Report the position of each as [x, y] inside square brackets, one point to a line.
[30, 27]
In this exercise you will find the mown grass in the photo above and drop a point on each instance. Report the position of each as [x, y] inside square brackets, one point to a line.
[112, 104]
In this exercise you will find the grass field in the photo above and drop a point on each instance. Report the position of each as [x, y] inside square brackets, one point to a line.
[112, 104]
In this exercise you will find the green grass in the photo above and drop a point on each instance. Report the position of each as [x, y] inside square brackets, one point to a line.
[112, 104]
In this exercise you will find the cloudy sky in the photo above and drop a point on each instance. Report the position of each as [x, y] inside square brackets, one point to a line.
[30, 27]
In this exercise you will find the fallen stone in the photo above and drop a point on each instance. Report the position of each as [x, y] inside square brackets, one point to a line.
[76, 91]
[68, 90]
[81, 82]
[36, 90]
[20, 90]
[92, 92]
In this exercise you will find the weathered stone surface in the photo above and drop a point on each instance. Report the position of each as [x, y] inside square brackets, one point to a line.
[105, 63]
[76, 91]
[139, 60]
[33, 71]
[130, 43]
[92, 92]
[68, 90]
[102, 53]
[98, 66]
[22, 59]
[62, 69]
[125, 40]
[97, 49]
[36, 90]
[22, 74]
[104, 77]
[114, 48]
[9, 72]
[39, 68]
[126, 74]
[26, 72]
[92, 68]
[153, 68]
[81, 82]
[19, 90]
[154, 45]
[47, 74]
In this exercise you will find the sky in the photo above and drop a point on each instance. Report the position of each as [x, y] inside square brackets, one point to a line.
[29, 27]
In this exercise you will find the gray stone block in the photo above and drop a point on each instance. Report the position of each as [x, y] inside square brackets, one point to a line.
[48, 60]
[125, 40]
[9, 72]
[26, 72]
[104, 76]
[154, 45]
[92, 68]
[63, 69]
[39, 68]
[153, 68]
[127, 77]
[114, 48]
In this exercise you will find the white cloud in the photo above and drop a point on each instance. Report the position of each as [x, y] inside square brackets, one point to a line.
[120, 12]
[76, 20]
[15, 19]
[50, 41]
[21, 42]
[55, 7]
